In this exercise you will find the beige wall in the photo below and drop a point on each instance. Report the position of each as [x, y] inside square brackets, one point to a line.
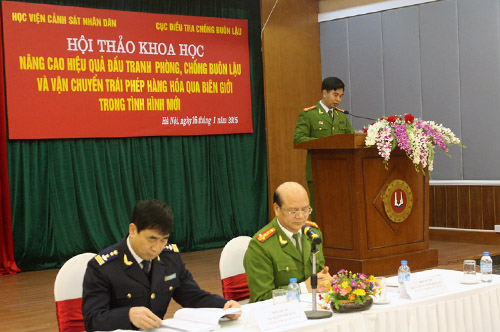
[331, 5]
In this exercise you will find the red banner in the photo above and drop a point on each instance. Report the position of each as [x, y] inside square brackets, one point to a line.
[78, 72]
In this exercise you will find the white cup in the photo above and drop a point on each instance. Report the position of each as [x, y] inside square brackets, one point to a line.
[381, 289]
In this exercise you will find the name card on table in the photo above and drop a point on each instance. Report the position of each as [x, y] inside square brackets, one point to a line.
[270, 317]
[425, 286]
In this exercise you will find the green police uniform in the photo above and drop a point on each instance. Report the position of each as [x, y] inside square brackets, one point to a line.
[272, 259]
[314, 122]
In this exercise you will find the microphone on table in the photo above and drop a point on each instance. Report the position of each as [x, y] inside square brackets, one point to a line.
[315, 238]
[358, 116]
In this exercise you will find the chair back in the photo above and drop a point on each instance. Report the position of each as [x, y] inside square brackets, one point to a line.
[232, 273]
[68, 293]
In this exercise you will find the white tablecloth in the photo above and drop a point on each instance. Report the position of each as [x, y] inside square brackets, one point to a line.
[459, 308]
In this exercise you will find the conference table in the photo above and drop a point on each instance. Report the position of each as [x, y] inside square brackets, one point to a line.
[457, 308]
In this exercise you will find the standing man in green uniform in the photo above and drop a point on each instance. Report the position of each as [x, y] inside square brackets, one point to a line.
[323, 119]
[272, 257]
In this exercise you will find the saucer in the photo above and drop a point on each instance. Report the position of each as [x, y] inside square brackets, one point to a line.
[469, 282]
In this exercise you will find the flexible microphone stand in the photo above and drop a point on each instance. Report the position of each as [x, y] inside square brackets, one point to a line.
[314, 313]
[362, 117]
[359, 116]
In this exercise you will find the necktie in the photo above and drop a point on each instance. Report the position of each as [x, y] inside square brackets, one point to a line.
[146, 266]
[330, 113]
[297, 245]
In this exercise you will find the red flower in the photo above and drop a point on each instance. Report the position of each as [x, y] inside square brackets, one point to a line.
[409, 118]
[392, 119]
[365, 130]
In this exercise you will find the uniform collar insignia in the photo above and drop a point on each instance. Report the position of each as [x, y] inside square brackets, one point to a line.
[126, 261]
[283, 242]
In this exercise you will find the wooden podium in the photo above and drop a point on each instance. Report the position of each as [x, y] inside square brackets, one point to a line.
[371, 217]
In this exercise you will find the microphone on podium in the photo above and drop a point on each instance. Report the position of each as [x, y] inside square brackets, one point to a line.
[358, 116]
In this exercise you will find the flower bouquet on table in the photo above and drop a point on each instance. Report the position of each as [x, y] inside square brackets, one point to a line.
[350, 290]
[414, 136]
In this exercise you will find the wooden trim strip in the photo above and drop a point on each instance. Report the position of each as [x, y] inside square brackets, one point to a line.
[464, 235]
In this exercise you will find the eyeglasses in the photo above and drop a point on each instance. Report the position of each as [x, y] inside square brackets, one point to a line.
[294, 213]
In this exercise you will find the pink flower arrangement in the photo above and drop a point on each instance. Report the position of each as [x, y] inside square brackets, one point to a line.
[348, 286]
[414, 136]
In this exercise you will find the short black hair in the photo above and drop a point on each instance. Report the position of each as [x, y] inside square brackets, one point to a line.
[153, 214]
[332, 83]
[277, 198]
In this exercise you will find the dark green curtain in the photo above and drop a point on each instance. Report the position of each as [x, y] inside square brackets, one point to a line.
[76, 195]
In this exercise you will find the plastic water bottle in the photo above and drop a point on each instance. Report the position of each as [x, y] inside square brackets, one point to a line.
[293, 291]
[486, 267]
[403, 275]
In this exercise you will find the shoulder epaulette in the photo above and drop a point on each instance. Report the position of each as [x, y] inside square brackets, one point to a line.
[312, 223]
[309, 108]
[106, 257]
[266, 234]
[339, 109]
[171, 247]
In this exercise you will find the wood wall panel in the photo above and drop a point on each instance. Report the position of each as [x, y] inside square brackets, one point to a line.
[497, 205]
[488, 207]
[292, 81]
[467, 207]
[476, 208]
[451, 211]
[463, 207]
[439, 213]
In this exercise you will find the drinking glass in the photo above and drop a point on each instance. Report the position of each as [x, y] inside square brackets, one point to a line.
[279, 296]
[469, 270]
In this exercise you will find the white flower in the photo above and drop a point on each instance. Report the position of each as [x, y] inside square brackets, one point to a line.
[417, 139]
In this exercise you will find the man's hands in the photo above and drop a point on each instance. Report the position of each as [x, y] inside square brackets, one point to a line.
[323, 277]
[143, 318]
[232, 304]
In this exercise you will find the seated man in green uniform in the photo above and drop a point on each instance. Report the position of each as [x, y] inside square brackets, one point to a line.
[272, 257]
[323, 119]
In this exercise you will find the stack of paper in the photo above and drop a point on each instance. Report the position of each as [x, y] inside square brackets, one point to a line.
[199, 319]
